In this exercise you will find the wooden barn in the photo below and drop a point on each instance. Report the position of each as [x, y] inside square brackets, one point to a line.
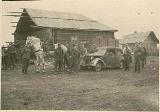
[62, 27]
[148, 39]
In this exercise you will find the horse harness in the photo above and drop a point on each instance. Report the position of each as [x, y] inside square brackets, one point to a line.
[37, 50]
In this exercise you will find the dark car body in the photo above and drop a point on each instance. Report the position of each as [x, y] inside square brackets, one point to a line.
[104, 57]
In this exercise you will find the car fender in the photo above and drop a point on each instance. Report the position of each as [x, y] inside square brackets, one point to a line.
[96, 60]
[121, 59]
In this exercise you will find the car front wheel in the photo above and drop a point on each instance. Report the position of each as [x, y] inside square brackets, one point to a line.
[98, 67]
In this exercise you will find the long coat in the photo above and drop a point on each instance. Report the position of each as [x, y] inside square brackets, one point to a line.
[137, 52]
[59, 53]
[74, 57]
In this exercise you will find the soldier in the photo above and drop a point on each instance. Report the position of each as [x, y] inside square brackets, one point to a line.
[137, 56]
[127, 57]
[74, 57]
[59, 55]
[44, 47]
[126, 46]
[144, 55]
[13, 58]
[8, 58]
[4, 59]
[83, 52]
[92, 48]
[66, 56]
[26, 54]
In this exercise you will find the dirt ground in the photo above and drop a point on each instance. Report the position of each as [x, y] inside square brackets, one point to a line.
[111, 89]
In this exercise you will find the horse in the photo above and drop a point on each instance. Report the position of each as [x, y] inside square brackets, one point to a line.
[38, 51]
[51, 53]
[64, 48]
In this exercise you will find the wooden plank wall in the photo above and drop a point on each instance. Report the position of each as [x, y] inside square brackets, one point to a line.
[43, 34]
[97, 38]
[20, 37]
[64, 36]
[151, 48]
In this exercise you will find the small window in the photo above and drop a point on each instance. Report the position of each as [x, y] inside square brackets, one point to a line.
[110, 52]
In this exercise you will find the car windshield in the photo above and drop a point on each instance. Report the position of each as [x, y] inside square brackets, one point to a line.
[99, 52]
[111, 51]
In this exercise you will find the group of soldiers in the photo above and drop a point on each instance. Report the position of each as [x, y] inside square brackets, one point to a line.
[15, 54]
[9, 57]
[69, 59]
[140, 57]
[73, 56]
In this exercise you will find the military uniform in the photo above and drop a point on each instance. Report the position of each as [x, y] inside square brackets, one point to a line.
[74, 57]
[12, 56]
[59, 55]
[83, 52]
[66, 57]
[26, 54]
[4, 58]
[8, 58]
[144, 56]
[127, 56]
[137, 57]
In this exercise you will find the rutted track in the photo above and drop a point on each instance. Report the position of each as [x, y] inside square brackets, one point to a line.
[113, 89]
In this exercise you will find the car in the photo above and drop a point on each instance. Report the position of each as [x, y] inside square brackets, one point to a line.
[104, 57]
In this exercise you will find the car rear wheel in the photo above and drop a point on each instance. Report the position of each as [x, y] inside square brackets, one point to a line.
[98, 67]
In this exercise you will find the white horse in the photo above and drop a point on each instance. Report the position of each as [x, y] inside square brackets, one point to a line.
[36, 43]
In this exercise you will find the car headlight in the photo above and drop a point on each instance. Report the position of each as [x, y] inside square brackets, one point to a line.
[92, 58]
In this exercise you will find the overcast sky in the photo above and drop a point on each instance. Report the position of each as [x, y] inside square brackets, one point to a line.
[126, 16]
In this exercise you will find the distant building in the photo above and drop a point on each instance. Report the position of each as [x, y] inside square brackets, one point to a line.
[63, 27]
[148, 39]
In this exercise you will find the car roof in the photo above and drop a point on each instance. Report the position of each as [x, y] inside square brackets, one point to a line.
[109, 47]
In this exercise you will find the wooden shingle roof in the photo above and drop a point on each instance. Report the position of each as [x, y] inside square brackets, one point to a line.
[65, 20]
[137, 37]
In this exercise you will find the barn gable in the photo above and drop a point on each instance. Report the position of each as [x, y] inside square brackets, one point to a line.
[62, 20]
[139, 37]
[63, 27]
[148, 39]
[152, 37]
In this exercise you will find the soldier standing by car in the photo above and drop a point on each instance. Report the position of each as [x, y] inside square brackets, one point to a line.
[74, 57]
[127, 57]
[144, 55]
[83, 52]
[59, 55]
[26, 54]
[137, 57]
